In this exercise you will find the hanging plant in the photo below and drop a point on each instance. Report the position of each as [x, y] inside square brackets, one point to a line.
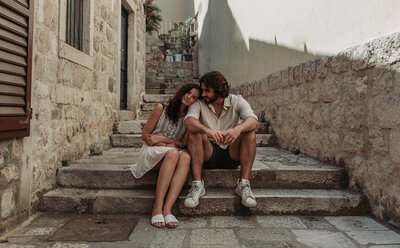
[153, 17]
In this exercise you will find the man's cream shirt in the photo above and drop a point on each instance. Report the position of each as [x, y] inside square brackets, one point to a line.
[235, 110]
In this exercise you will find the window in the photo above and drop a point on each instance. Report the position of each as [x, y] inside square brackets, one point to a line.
[74, 23]
[16, 37]
[76, 31]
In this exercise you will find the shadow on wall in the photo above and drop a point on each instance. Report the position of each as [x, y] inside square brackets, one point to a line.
[222, 47]
[342, 109]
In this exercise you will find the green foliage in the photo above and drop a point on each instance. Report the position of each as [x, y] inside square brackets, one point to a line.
[184, 38]
[153, 17]
[65, 162]
[94, 151]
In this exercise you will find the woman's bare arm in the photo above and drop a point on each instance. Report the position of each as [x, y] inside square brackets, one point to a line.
[151, 124]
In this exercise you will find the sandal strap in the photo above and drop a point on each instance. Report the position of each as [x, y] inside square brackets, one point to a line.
[170, 218]
[157, 218]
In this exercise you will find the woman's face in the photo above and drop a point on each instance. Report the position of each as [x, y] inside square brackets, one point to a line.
[190, 97]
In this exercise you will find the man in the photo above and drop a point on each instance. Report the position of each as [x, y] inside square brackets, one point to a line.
[217, 137]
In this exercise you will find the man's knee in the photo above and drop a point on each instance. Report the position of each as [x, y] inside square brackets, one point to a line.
[194, 137]
[249, 136]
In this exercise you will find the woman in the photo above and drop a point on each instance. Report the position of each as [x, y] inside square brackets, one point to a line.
[165, 135]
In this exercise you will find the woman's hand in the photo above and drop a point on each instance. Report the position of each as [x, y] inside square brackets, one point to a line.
[155, 138]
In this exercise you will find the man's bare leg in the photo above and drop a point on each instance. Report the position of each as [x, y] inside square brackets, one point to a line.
[244, 150]
[200, 149]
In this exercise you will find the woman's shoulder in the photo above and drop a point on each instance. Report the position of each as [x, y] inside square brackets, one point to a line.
[159, 107]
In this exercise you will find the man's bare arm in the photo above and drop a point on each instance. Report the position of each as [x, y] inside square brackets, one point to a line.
[230, 136]
[195, 126]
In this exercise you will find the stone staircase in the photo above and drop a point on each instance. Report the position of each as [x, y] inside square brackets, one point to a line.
[282, 182]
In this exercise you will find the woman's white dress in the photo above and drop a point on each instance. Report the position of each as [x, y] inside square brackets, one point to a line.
[149, 156]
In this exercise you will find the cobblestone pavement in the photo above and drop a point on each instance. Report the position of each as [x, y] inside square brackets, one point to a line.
[225, 231]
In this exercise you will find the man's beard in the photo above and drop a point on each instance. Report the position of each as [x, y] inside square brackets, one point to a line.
[211, 99]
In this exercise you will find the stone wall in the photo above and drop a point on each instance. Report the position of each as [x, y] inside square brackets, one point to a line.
[74, 106]
[164, 77]
[343, 109]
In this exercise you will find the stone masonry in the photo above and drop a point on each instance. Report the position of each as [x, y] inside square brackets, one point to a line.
[344, 109]
[74, 106]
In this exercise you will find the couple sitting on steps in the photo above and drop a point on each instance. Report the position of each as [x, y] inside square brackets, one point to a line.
[215, 132]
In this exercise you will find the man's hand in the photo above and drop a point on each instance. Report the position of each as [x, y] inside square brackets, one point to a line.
[217, 136]
[231, 135]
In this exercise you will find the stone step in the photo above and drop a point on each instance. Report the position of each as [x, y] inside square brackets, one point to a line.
[148, 106]
[134, 140]
[155, 98]
[129, 127]
[215, 202]
[136, 126]
[167, 91]
[143, 115]
[284, 174]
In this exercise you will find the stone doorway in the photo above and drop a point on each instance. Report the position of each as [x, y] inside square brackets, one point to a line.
[124, 60]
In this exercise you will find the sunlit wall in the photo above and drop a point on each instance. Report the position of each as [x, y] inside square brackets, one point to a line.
[247, 40]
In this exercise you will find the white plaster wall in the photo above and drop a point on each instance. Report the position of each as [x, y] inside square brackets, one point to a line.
[249, 39]
[173, 10]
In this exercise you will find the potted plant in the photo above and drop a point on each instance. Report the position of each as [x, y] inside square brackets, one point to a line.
[186, 40]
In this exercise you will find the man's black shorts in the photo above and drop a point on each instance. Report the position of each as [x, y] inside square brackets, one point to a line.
[220, 159]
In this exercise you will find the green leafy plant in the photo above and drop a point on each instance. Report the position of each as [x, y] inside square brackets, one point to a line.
[95, 151]
[64, 162]
[177, 41]
[153, 17]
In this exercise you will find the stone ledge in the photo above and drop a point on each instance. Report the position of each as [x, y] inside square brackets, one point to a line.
[119, 176]
[215, 202]
[134, 140]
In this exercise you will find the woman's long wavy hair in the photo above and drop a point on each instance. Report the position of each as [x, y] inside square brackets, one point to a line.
[175, 102]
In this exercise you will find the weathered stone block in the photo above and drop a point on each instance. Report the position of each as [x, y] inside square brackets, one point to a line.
[322, 67]
[309, 70]
[340, 64]
[314, 92]
[353, 142]
[7, 202]
[354, 117]
[42, 40]
[298, 75]
[382, 83]
[361, 56]
[384, 112]
[329, 90]
[394, 145]
[8, 174]
[50, 14]
[377, 142]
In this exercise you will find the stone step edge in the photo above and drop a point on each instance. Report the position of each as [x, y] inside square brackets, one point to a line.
[216, 201]
[134, 140]
[82, 177]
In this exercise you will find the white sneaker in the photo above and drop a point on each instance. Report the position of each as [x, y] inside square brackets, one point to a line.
[197, 191]
[243, 190]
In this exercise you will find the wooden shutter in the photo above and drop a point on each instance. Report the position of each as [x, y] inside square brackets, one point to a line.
[16, 36]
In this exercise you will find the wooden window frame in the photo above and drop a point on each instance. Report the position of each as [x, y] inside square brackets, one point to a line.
[19, 126]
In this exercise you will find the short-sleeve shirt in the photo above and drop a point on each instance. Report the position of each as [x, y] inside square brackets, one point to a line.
[235, 109]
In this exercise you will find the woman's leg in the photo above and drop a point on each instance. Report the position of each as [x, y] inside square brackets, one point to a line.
[178, 180]
[165, 174]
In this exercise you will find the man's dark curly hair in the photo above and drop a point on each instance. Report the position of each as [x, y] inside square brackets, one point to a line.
[175, 102]
[216, 81]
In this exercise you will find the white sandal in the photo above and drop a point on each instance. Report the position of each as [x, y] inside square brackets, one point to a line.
[170, 218]
[159, 218]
